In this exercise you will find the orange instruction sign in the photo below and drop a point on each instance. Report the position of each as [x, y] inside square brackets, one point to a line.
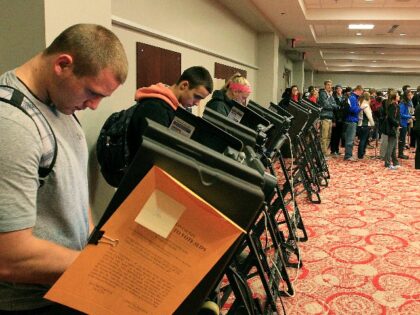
[168, 239]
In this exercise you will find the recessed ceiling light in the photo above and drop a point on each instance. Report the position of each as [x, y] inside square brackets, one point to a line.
[369, 0]
[361, 26]
[352, 52]
[373, 60]
[359, 34]
[382, 53]
[403, 34]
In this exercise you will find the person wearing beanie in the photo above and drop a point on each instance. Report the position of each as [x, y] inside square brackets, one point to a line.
[337, 128]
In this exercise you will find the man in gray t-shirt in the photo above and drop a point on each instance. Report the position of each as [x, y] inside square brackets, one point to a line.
[43, 229]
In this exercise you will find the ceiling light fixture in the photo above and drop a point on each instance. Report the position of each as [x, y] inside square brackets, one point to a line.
[359, 34]
[361, 26]
[403, 34]
[352, 52]
[373, 60]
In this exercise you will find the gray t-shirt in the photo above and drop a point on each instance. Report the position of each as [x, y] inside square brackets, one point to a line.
[58, 211]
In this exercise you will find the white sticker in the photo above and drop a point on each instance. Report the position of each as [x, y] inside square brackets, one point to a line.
[160, 213]
[236, 114]
[182, 127]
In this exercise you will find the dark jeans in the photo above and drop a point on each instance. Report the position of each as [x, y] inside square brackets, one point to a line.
[401, 140]
[413, 138]
[336, 137]
[55, 309]
[416, 134]
[363, 136]
[374, 130]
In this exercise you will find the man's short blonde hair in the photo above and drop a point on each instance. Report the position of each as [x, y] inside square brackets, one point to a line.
[93, 48]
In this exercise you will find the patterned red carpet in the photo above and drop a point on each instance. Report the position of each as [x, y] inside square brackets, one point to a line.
[363, 252]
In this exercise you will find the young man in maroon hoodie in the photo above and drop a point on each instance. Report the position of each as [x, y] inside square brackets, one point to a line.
[159, 102]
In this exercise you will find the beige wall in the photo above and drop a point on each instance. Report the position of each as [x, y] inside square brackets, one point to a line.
[378, 81]
[184, 27]
[59, 14]
[203, 22]
[22, 31]
[299, 74]
[267, 78]
[309, 77]
[284, 63]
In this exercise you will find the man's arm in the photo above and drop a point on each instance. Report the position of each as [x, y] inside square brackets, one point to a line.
[404, 111]
[23, 257]
[27, 259]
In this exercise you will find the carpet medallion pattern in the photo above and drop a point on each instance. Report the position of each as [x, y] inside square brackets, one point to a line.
[363, 252]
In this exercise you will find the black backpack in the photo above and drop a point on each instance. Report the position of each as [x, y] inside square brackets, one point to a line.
[112, 147]
[16, 98]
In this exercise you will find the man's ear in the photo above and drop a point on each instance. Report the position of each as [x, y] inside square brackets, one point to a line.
[63, 63]
[184, 85]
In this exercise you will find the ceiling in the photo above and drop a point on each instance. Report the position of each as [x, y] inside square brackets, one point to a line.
[320, 30]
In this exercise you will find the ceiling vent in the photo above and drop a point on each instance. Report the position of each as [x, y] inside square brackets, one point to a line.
[393, 28]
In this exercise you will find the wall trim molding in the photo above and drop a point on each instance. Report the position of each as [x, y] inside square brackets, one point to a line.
[171, 39]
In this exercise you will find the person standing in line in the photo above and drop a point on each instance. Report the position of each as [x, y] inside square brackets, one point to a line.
[405, 120]
[350, 122]
[365, 123]
[327, 103]
[415, 101]
[391, 129]
[337, 129]
[382, 121]
[375, 105]
[416, 132]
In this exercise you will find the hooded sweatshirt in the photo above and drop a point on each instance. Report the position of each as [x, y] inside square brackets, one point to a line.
[156, 102]
[159, 91]
[220, 102]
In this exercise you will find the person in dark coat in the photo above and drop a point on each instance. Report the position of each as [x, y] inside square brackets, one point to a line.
[236, 90]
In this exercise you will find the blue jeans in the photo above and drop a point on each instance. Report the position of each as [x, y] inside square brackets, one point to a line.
[401, 141]
[349, 135]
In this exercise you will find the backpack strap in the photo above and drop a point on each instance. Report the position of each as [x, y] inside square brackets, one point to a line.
[16, 98]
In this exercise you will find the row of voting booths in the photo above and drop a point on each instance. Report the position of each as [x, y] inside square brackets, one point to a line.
[250, 166]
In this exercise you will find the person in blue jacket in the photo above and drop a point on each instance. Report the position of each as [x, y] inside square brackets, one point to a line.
[405, 119]
[350, 122]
